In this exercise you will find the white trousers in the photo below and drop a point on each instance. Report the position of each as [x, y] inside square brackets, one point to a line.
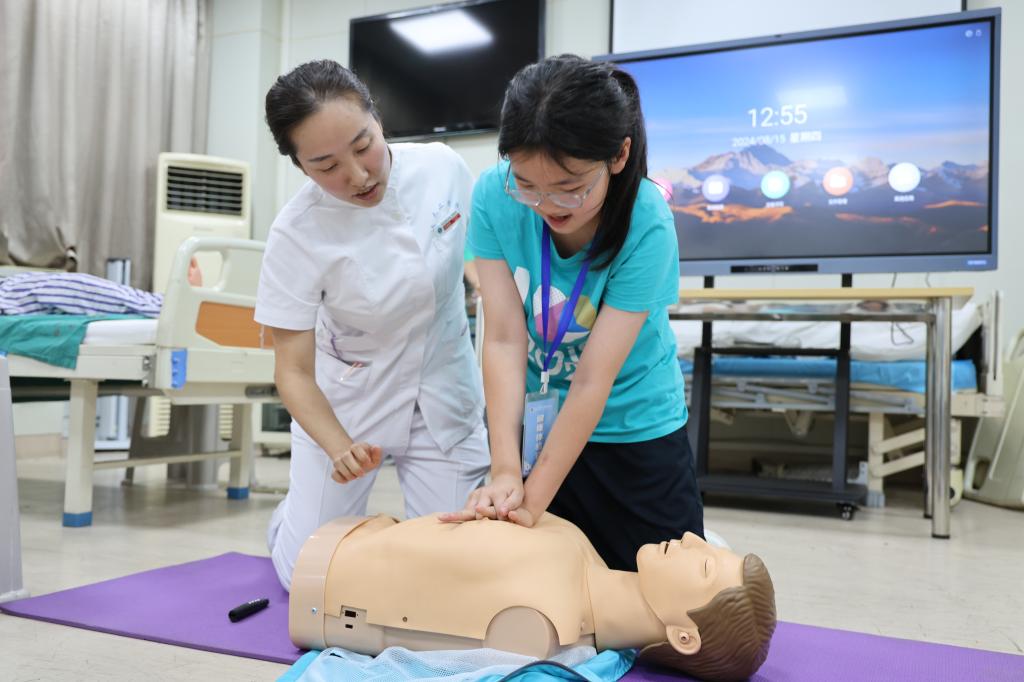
[431, 481]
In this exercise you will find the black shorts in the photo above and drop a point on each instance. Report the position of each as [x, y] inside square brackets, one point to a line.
[625, 495]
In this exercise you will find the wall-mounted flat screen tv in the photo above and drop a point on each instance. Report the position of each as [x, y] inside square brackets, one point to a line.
[861, 149]
[443, 70]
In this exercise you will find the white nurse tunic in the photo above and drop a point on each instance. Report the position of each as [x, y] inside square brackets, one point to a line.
[382, 287]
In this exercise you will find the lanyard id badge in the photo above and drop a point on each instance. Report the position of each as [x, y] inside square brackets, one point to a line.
[538, 417]
[541, 407]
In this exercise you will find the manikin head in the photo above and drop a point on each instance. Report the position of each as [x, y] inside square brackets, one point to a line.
[718, 608]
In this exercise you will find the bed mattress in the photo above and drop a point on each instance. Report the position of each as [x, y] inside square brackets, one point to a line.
[121, 333]
[904, 375]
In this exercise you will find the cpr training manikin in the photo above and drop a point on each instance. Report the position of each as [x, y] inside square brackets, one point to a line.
[365, 584]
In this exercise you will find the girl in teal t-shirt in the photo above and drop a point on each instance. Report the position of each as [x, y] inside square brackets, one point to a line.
[568, 223]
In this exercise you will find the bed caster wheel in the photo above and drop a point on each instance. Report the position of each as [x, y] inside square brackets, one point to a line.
[846, 511]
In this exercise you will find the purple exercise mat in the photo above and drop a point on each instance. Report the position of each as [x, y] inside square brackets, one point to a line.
[188, 605]
[804, 653]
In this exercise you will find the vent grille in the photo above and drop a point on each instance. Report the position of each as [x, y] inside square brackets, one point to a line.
[201, 190]
[158, 417]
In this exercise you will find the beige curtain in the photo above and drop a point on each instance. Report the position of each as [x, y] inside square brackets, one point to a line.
[92, 91]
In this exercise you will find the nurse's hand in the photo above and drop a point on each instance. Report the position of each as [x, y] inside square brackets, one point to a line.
[359, 459]
[493, 501]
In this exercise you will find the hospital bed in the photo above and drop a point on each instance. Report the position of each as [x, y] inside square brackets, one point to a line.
[204, 349]
[887, 382]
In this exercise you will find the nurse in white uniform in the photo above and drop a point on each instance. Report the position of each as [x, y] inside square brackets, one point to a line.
[362, 285]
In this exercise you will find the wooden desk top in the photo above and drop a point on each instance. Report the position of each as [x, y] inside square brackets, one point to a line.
[959, 295]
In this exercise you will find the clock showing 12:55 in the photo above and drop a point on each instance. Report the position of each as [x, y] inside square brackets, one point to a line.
[785, 115]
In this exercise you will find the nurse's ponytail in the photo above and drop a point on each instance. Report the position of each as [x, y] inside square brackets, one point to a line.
[569, 107]
[303, 91]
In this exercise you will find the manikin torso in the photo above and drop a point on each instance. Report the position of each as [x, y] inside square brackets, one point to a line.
[423, 584]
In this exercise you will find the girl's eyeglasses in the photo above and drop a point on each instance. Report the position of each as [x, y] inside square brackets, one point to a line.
[533, 198]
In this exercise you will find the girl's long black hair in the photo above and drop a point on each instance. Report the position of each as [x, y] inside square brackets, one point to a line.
[570, 107]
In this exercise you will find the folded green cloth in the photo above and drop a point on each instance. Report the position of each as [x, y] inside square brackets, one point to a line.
[53, 339]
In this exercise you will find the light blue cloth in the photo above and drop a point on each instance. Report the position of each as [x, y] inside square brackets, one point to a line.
[646, 400]
[476, 665]
[906, 375]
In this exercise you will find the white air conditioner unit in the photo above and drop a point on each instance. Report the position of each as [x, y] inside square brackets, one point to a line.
[198, 196]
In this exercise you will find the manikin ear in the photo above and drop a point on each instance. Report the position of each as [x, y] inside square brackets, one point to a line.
[619, 162]
[685, 640]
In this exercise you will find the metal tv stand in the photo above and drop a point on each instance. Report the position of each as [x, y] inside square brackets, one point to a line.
[845, 305]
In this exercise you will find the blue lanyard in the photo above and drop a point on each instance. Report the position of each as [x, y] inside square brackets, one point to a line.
[545, 297]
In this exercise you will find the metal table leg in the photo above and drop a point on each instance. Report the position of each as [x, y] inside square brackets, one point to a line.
[937, 417]
[81, 454]
[11, 586]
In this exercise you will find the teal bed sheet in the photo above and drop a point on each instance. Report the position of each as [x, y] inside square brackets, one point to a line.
[53, 339]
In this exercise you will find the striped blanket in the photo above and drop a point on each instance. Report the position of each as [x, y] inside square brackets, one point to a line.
[36, 293]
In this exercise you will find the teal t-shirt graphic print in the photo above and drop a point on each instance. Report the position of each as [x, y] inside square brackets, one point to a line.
[647, 399]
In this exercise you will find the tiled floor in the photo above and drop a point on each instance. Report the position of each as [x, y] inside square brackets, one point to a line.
[880, 573]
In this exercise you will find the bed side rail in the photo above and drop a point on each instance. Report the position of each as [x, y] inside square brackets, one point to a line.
[207, 334]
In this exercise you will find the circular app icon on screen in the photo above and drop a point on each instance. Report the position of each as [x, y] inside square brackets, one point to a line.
[838, 181]
[715, 188]
[775, 184]
[904, 177]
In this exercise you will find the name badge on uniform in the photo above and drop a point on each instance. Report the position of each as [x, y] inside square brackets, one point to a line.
[447, 223]
[539, 415]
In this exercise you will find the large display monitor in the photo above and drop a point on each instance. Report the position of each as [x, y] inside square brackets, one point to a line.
[442, 70]
[861, 149]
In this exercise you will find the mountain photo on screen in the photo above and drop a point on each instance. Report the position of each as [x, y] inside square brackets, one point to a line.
[863, 145]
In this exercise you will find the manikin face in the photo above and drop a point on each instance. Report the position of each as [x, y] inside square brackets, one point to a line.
[540, 173]
[342, 149]
[682, 575]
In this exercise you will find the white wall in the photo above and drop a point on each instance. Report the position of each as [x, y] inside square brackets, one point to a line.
[33, 419]
[245, 60]
[318, 29]
[312, 29]
[1010, 276]
[647, 24]
[572, 26]
[656, 24]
